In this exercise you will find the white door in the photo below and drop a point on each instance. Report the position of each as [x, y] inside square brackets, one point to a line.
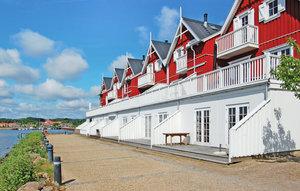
[203, 126]
[148, 124]
[234, 114]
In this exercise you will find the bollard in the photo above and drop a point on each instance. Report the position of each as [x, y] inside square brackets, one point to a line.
[46, 143]
[57, 170]
[50, 152]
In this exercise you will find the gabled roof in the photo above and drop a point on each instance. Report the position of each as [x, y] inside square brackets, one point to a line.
[107, 82]
[119, 72]
[136, 65]
[199, 29]
[161, 48]
[230, 16]
[200, 32]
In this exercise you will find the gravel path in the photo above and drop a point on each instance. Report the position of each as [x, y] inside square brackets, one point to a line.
[90, 164]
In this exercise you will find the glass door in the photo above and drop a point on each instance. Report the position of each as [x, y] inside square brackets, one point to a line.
[203, 126]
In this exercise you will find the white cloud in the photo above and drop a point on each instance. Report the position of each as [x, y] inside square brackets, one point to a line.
[33, 43]
[67, 65]
[51, 90]
[4, 90]
[143, 34]
[7, 101]
[27, 107]
[12, 67]
[94, 91]
[73, 104]
[167, 22]
[120, 61]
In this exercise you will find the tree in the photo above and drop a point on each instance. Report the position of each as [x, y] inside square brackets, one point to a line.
[289, 71]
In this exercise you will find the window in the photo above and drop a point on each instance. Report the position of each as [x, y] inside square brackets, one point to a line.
[273, 8]
[162, 116]
[270, 10]
[178, 53]
[236, 113]
[202, 125]
[282, 50]
[245, 20]
[148, 123]
[231, 117]
[124, 120]
[150, 69]
[206, 126]
[157, 65]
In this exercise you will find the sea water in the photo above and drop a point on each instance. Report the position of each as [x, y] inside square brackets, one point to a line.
[8, 138]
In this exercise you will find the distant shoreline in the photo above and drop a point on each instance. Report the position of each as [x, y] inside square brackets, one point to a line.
[8, 128]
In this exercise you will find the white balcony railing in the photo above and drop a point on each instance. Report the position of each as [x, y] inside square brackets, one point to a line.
[112, 95]
[181, 64]
[237, 40]
[146, 80]
[237, 75]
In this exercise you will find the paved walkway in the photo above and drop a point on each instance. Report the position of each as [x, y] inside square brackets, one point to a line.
[92, 165]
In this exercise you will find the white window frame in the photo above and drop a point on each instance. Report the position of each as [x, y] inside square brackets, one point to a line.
[237, 22]
[162, 116]
[148, 131]
[280, 48]
[124, 120]
[202, 139]
[237, 114]
[157, 65]
[264, 15]
[179, 52]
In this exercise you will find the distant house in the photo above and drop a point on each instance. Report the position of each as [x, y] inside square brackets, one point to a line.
[8, 125]
[48, 123]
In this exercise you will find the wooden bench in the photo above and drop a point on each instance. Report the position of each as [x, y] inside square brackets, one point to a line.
[171, 135]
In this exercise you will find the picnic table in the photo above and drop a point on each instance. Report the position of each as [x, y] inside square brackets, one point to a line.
[171, 135]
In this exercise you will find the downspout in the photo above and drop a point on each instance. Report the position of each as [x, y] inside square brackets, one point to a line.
[168, 74]
[194, 58]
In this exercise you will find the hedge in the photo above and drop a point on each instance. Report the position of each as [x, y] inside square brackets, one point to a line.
[18, 167]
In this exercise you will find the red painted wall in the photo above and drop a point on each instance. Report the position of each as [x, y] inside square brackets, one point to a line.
[160, 76]
[204, 52]
[103, 96]
[132, 86]
[275, 32]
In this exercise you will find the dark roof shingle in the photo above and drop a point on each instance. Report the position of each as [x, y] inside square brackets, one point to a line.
[119, 72]
[107, 82]
[136, 65]
[162, 48]
[200, 30]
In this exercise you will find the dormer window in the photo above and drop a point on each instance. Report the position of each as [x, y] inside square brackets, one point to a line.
[179, 52]
[157, 65]
[150, 68]
[273, 8]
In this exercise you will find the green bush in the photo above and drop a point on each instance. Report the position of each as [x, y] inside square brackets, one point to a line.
[18, 168]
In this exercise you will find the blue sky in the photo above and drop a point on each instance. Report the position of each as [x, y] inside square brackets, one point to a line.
[54, 52]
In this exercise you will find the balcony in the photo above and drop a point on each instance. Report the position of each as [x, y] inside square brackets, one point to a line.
[112, 95]
[181, 64]
[239, 75]
[146, 80]
[237, 42]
